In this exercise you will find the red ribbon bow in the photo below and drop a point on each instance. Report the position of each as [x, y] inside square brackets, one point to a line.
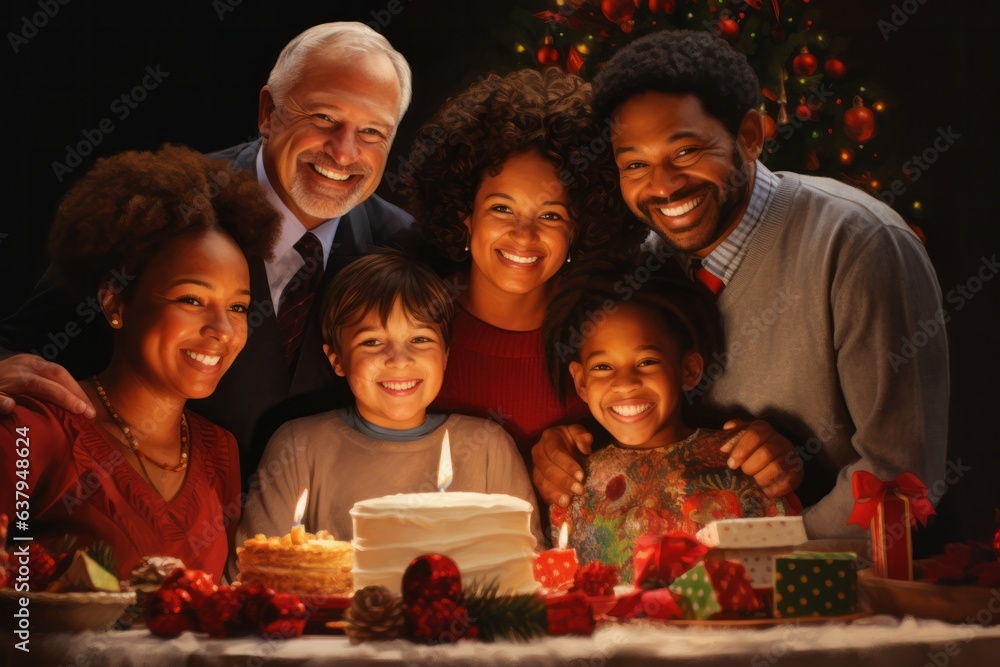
[659, 559]
[869, 491]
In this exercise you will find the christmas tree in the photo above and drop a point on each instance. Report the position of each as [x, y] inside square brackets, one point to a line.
[826, 117]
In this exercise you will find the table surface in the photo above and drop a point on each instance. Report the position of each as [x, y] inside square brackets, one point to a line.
[876, 640]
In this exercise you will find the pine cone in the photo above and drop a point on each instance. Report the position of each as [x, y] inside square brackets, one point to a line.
[375, 614]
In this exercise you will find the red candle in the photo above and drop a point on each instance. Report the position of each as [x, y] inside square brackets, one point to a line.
[555, 568]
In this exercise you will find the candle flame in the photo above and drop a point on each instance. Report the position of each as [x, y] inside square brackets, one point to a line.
[564, 535]
[300, 507]
[444, 466]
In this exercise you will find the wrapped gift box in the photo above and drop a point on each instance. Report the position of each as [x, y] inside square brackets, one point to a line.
[758, 563]
[889, 508]
[714, 588]
[764, 532]
[815, 584]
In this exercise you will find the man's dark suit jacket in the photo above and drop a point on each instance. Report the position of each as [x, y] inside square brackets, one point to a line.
[258, 393]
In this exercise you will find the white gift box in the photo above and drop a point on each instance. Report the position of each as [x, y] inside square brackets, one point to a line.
[759, 563]
[764, 532]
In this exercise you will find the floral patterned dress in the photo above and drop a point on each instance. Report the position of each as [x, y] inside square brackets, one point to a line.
[680, 487]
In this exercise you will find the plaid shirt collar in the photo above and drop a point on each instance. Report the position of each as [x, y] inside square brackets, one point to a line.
[727, 256]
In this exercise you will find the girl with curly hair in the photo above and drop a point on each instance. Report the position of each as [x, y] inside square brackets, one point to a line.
[156, 243]
[512, 181]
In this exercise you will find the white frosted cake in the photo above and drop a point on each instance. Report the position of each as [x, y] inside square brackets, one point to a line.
[487, 535]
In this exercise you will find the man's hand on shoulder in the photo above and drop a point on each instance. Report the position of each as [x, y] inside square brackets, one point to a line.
[30, 375]
[766, 455]
[557, 472]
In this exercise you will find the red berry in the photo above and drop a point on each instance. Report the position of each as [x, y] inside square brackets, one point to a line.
[284, 615]
[439, 621]
[253, 604]
[221, 615]
[168, 613]
[199, 584]
[432, 576]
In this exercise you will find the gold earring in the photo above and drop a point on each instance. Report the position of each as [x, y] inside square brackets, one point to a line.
[568, 259]
[115, 322]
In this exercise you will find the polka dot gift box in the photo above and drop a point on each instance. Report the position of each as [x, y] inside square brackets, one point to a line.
[753, 543]
[810, 583]
[714, 589]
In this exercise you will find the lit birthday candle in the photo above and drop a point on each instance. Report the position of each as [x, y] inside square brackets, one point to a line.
[298, 530]
[555, 568]
[445, 475]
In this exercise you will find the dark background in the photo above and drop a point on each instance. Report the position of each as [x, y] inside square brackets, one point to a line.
[939, 70]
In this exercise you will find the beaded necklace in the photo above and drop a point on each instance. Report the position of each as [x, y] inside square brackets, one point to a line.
[133, 444]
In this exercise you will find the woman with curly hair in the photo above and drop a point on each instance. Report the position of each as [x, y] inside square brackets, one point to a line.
[158, 242]
[513, 180]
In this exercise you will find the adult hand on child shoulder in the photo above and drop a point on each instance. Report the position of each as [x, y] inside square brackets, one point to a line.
[557, 472]
[766, 455]
[30, 375]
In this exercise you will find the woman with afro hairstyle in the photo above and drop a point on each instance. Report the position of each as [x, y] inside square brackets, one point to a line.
[156, 243]
[513, 180]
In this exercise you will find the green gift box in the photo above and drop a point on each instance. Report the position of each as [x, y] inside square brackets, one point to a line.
[694, 594]
[808, 583]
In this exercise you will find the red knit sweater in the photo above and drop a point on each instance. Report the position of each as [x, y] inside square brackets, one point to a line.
[500, 375]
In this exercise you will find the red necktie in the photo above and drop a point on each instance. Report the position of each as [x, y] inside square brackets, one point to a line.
[707, 278]
[299, 294]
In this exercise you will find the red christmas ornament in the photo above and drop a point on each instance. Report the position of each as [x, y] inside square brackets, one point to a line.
[618, 11]
[770, 127]
[198, 583]
[812, 161]
[221, 614]
[432, 577]
[168, 612]
[728, 29]
[547, 54]
[804, 64]
[662, 6]
[284, 615]
[859, 122]
[923, 241]
[803, 112]
[439, 621]
[835, 69]
[574, 61]
[597, 579]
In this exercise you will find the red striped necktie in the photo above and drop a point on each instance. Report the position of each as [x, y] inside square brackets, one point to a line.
[707, 278]
[299, 294]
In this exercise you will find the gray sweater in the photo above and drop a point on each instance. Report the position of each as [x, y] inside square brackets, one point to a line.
[340, 466]
[834, 334]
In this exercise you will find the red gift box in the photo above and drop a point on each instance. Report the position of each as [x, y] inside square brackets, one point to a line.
[889, 509]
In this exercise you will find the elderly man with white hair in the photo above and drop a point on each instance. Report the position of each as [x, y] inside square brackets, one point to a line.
[327, 117]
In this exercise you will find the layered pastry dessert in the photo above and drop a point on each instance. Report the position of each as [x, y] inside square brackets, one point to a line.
[487, 535]
[300, 563]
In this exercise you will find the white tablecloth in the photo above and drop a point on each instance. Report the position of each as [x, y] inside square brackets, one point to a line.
[878, 640]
